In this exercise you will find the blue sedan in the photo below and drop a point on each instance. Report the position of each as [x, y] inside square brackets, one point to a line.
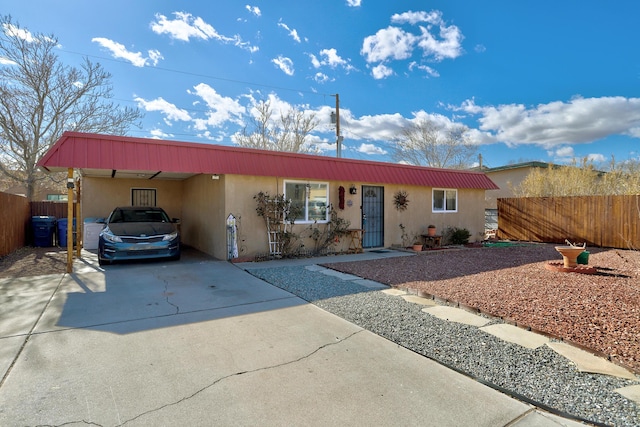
[138, 233]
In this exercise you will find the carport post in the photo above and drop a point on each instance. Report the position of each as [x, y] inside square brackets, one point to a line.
[70, 220]
[79, 224]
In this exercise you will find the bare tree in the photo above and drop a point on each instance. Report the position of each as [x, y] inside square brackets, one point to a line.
[426, 144]
[289, 132]
[40, 98]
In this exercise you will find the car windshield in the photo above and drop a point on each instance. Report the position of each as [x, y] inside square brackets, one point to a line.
[138, 215]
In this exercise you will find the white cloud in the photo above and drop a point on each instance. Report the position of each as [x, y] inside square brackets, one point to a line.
[221, 109]
[388, 43]
[596, 158]
[254, 10]
[6, 61]
[565, 152]
[320, 78]
[430, 71]
[160, 134]
[434, 17]
[169, 110]
[315, 61]
[449, 46]
[371, 149]
[354, 3]
[381, 71]
[118, 50]
[186, 26]
[285, 64]
[330, 58]
[292, 32]
[381, 127]
[13, 31]
[436, 40]
[581, 120]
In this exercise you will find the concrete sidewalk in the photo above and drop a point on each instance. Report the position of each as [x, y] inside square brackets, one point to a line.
[201, 342]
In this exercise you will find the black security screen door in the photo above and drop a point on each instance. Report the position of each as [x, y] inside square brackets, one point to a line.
[373, 216]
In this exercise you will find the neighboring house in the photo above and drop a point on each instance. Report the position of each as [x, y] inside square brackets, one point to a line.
[41, 194]
[202, 184]
[507, 178]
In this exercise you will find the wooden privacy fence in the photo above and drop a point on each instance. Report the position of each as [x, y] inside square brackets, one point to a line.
[15, 219]
[57, 209]
[604, 221]
[14, 222]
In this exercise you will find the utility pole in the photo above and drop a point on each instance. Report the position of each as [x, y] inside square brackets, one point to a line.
[336, 119]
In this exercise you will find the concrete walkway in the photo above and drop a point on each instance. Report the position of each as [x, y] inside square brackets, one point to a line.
[201, 342]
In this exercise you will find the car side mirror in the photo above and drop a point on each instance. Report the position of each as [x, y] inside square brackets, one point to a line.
[175, 220]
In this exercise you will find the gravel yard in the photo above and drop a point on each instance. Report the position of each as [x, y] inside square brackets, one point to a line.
[600, 312]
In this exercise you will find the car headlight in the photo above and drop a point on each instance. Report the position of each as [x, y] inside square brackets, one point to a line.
[170, 236]
[109, 236]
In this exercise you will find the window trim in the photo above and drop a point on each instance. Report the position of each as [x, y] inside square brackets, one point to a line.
[444, 209]
[305, 220]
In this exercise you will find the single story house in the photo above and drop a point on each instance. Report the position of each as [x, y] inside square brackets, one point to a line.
[202, 184]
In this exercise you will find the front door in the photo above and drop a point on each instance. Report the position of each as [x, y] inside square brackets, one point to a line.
[372, 216]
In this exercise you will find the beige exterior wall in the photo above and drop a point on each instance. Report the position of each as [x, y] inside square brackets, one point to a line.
[419, 214]
[203, 218]
[506, 180]
[203, 204]
[100, 195]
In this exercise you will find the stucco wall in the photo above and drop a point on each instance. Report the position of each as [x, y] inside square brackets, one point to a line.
[203, 219]
[203, 204]
[506, 180]
[419, 215]
[100, 195]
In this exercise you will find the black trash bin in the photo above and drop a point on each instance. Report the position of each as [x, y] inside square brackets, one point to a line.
[43, 230]
[62, 232]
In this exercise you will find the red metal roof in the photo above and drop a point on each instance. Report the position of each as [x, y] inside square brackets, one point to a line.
[120, 153]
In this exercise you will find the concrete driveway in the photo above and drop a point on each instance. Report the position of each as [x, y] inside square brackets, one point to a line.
[201, 342]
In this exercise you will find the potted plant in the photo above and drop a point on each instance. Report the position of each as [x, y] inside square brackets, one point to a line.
[431, 230]
[417, 244]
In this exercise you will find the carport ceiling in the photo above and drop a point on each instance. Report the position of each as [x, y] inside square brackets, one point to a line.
[134, 174]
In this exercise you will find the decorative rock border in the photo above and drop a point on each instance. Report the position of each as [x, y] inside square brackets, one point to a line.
[580, 268]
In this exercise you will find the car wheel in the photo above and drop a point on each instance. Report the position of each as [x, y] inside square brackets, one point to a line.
[103, 261]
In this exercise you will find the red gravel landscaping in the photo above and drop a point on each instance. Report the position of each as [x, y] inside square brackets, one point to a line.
[599, 312]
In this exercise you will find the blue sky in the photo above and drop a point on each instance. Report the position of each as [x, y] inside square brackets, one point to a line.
[544, 80]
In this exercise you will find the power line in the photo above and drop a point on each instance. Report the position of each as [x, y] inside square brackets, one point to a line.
[205, 76]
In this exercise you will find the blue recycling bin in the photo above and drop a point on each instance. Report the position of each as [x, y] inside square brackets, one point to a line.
[43, 230]
[62, 232]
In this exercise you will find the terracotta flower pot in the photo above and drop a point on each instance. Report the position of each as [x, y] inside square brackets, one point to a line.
[417, 247]
[431, 231]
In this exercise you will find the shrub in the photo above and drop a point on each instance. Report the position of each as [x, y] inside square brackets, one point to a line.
[457, 236]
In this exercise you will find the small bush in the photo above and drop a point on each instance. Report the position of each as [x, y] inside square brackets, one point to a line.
[457, 236]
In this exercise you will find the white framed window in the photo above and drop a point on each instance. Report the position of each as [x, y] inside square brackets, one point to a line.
[311, 198]
[444, 200]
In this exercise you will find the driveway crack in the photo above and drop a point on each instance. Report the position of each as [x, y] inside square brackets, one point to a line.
[235, 374]
[167, 296]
